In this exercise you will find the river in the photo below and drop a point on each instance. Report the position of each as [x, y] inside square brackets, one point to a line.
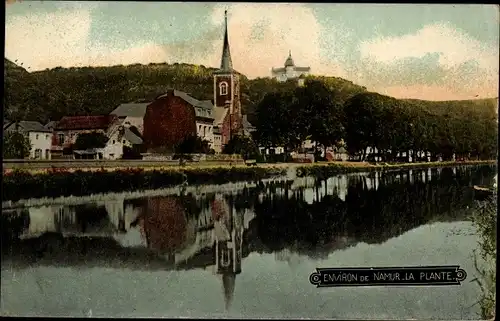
[245, 252]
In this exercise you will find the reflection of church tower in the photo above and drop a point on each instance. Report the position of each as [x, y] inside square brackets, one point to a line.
[228, 248]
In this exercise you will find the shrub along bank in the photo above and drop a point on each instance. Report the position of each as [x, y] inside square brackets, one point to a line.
[330, 169]
[22, 185]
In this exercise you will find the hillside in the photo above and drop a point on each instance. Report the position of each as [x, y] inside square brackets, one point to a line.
[484, 107]
[12, 68]
[50, 94]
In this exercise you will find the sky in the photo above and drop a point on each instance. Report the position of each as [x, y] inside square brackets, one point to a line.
[421, 51]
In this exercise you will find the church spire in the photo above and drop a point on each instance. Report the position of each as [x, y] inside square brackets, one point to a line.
[228, 282]
[226, 63]
[289, 61]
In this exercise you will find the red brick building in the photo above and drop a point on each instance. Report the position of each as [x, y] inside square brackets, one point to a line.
[168, 120]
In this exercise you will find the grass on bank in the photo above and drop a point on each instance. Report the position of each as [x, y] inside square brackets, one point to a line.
[122, 168]
[330, 169]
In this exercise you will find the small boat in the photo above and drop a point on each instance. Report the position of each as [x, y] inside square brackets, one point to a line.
[482, 193]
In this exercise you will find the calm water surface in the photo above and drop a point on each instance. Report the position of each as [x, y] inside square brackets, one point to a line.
[246, 252]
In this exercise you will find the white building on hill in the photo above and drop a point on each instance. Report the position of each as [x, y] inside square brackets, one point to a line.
[290, 71]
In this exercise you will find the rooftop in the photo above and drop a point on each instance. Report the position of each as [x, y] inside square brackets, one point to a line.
[219, 114]
[289, 61]
[130, 109]
[131, 137]
[203, 108]
[28, 126]
[51, 124]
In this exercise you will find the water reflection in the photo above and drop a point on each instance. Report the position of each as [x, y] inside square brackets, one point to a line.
[216, 231]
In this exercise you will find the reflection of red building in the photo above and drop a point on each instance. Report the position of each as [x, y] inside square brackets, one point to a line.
[164, 223]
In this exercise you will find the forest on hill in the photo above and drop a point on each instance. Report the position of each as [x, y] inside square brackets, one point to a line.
[50, 94]
[53, 93]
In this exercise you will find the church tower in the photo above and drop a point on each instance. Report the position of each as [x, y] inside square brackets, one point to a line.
[227, 90]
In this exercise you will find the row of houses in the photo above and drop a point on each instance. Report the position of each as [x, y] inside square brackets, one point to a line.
[124, 126]
[50, 140]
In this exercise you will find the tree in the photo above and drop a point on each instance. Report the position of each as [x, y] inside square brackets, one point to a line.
[361, 122]
[193, 144]
[242, 145]
[16, 145]
[278, 122]
[90, 140]
[319, 113]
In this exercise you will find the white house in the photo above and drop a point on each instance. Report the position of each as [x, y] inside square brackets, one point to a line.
[204, 111]
[118, 138]
[40, 138]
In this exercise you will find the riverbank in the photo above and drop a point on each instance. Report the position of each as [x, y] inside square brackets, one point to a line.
[24, 184]
[323, 170]
[63, 182]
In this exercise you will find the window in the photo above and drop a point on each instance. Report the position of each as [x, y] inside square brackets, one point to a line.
[114, 141]
[36, 137]
[38, 153]
[47, 153]
[46, 136]
[223, 88]
[60, 139]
